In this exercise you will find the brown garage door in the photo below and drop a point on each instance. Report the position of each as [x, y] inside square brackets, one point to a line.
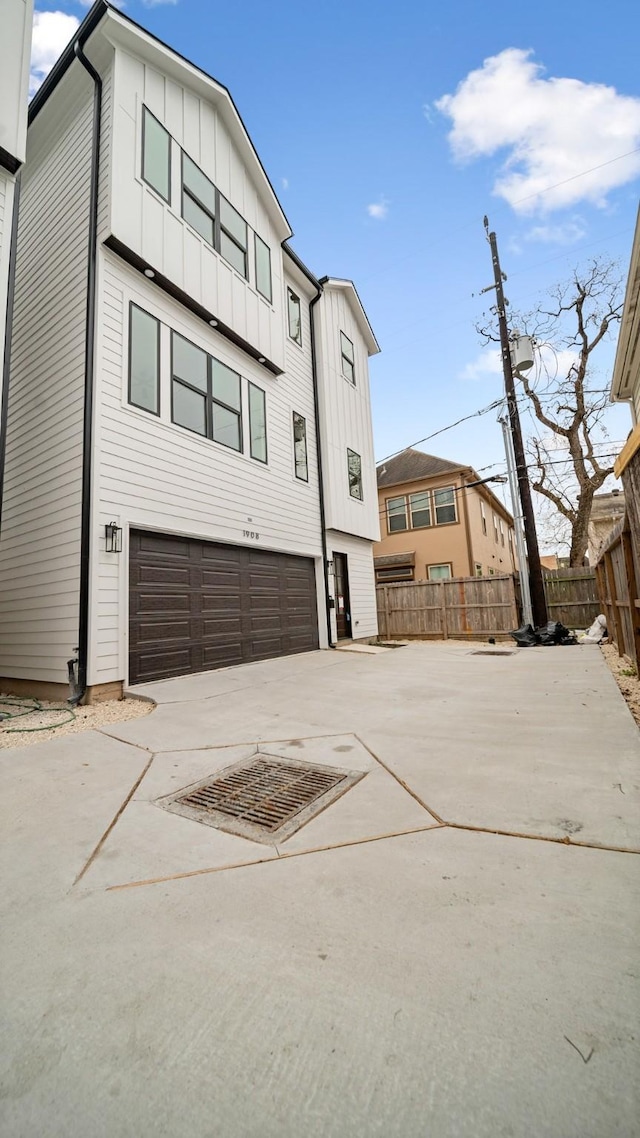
[196, 605]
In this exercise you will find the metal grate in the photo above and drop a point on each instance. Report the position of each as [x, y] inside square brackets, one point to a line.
[492, 652]
[265, 798]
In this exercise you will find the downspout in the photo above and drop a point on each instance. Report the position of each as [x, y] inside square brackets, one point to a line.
[4, 408]
[78, 668]
[316, 409]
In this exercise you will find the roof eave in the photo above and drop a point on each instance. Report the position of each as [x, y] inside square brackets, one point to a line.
[622, 380]
[373, 346]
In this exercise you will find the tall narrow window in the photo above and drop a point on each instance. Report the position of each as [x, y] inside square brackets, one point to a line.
[495, 527]
[354, 465]
[300, 447]
[263, 268]
[501, 532]
[347, 355]
[233, 236]
[226, 411]
[396, 514]
[156, 155]
[484, 518]
[189, 385]
[295, 323]
[420, 509]
[144, 360]
[198, 200]
[445, 505]
[257, 423]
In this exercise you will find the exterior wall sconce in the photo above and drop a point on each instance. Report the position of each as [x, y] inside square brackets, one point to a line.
[329, 566]
[113, 538]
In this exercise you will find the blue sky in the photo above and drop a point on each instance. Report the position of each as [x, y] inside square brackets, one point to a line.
[385, 180]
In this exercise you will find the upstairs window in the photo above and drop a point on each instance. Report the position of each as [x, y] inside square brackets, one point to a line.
[495, 528]
[420, 510]
[205, 394]
[263, 268]
[300, 447]
[354, 466]
[501, 532]
[198, 200]
[233, 236]
[144, 360]
[347, 355]
[295, 322]
[445, 506]
[226, 409]
[156, 155]
[396, 514]
[257, 423]
[484, 518]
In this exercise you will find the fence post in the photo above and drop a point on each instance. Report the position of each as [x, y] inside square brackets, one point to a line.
[632, 589]
[386, 610]
[617, 619]
[443, 618]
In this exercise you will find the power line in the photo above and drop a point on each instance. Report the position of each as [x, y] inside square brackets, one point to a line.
[474, 414]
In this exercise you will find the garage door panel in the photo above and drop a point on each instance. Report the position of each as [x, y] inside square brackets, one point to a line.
[198, 605]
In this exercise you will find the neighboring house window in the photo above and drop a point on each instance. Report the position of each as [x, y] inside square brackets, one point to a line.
[300, 447]
[495, 527]
[205, 394]
[396, 514]
[420, 505]
[439, 572]
[257, 423]
[501, 532]
[478, 569]
[233, 236]
[144, 360]
[198, 200]
[348, 365]
[263, 268]
[354, 465]
[484, 519]
[295, 322]
[445, 506]
[399, 573]
[156, 155]
[492, 571]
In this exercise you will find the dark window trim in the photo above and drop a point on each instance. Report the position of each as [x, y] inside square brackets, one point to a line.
[343, 357]
[218, 227]
[194, 198]
[145, 112]
[265, 460]
[301, 478]
[185, 383]
[358, 497]
[243, 249]
[209, 398]
[296, 339]
[133, 403]
[256, 238]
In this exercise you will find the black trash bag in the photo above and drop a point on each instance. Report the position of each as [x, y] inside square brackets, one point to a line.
[554, 633]
[525, 637]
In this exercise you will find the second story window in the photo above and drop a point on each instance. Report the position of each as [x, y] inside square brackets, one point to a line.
[156, 155]
[483, 517]
[263, 268]
[501, 532]
[348, 358]
[144, 360]
[354, 465]
[420, 510]
[495, 528]
[233, 236]
[445, 506]
[300, 447]
[205, 394]
[396, 514]
[293, 311]
[257, 423]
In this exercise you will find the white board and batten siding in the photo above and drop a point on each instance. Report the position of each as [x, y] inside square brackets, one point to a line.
[40, 540]
[362, 585]
[345, 415]
[150, 473]
[154, 229]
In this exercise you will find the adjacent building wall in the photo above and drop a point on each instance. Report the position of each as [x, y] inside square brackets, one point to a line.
[362, 586]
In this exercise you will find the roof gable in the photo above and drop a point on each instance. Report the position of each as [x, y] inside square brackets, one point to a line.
[411, 465]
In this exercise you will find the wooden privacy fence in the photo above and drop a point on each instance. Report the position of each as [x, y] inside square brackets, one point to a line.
[463, 608]
[618, 587]
[572, 596]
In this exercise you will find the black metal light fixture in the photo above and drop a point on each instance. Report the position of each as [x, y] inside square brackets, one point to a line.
[330, 565]
[113, 538]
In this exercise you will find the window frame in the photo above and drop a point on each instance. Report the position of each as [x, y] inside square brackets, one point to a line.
[483, 517]
[419, 494]
[219, 198]
[130, 401]
[256, 387]
[356, 497]
[350, 378]
[446, 506]
[440, 565]
[477, 569]
[301, 477]
[218, 227]
[257, 238]
[209, 399]
[389, 574]
[291, 295]
[145, 112]
[198, 201]
[399, 498]
[496, 535]
[501, 532]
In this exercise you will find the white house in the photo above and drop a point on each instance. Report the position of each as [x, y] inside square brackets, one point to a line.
[15, 49]
[189, 478]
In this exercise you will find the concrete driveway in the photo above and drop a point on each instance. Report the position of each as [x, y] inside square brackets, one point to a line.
[450, 949]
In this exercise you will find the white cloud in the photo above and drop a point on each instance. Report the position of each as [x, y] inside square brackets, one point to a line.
[157, 3]
[378, 210]
[551, 129]
[487, 363]
[51, 34]
[566, 233]
[285, 183]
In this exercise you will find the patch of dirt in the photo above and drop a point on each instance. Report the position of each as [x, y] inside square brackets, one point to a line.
[35, 721]
[626, 677]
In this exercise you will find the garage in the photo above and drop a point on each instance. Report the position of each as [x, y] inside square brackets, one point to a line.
[197, 605]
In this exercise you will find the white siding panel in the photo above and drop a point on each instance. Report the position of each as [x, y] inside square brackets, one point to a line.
[362, 585]
[151, 473]
[40, 541]
[6, 212]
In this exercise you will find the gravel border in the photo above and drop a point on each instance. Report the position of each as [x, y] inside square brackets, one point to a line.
[626, 676]
[85, 719]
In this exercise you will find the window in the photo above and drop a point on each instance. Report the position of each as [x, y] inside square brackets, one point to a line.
[295, 323]
[399, 573]
[233, 236]
[205, 395]
[492, 571]
[215, 219]
[300, 447]
[263, 268]
[348, 366]
[257, 423]
[144, 360]
[439, 572]
[354, 465]
[478, 569]
[445, 506]
[484, 519]
[501, 532]
[156, 155]
[420, 510]
[396, 514]
[495, 527]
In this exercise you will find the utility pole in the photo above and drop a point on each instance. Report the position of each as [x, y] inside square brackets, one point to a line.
[521, 549]
[538, 599]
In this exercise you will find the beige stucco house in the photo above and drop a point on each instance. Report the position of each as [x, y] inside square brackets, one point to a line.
[436, 524]
[606, 511]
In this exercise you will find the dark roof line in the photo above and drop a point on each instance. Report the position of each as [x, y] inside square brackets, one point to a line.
[301, 265]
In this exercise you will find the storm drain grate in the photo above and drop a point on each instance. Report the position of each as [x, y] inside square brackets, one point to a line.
[493, 652]
[265, 799]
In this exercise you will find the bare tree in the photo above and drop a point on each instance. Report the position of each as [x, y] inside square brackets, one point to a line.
[570, 404]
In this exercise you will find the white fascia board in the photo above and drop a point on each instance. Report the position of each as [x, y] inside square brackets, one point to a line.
[628, 348]
[361, 317]
[133, 39]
